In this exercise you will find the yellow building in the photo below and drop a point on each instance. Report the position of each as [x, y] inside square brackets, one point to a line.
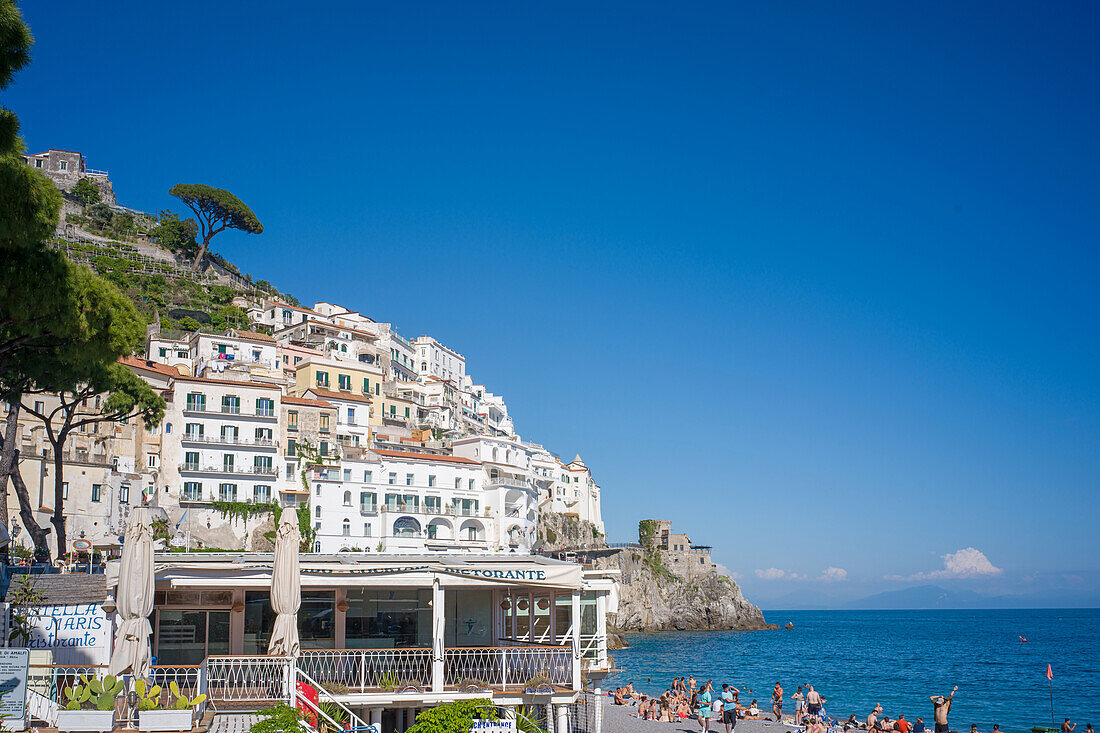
[337, 375]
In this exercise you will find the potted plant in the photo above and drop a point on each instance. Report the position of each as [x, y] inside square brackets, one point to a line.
[410, 685]
[175, 714]
[540, 684]
[473, 684]
[90, 705]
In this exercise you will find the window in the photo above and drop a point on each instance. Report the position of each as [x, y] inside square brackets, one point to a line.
[323, 448]
[324, 423]
[431, 480]
[265, 407]
[367, 501]
[367, 477]
[191, 461]
[344, 381]
[393, 478]
[292, 420]
[196, 402]
[65, 490]
[263, 436]
[322, 379]
[231, 404]
[458, 483]
[64, 165]
[406, 412]
[408, 479]
[376, 388]
[151, 460]
[291, 448]
[124, 494]
[227, 492]
[432, 504]
[366, 530]
[290, 470]
[317, 511]
[163, 352]
[262, 465]
[366, 386]
[261, 494]
[347, 474]
[229, 433]
[255, 355]
[351, 416]
[192, 491]
[97, 491]
[471, 484]
[346, 528]
[227, 462]
[317, 491]
[38, 163]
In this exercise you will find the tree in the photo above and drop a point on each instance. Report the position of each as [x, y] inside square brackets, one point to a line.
[86, 192]
[175, 234]
[216, 210]
[15, 53]
[128, 396]
[61, 325]
[99, 215]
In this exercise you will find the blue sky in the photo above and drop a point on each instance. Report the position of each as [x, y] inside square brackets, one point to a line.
[817, 282]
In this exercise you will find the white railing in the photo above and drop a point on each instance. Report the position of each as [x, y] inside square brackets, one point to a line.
[501, 667]
[248, 679]
[364, 670]
[226, 440]
[324, 695]
[46, 685]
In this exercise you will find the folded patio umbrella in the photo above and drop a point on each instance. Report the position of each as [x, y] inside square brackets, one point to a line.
[286, 586]
[134, 598]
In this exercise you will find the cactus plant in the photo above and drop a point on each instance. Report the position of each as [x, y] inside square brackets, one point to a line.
[179, 701]
[93, 694]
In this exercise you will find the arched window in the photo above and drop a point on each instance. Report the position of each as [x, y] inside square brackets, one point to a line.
[317, 512]
[494, 454]
[406, 527]
[347, 499]
[346, 527]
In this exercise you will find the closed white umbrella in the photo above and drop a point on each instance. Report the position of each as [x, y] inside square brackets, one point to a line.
[134, 598]
[286, 586]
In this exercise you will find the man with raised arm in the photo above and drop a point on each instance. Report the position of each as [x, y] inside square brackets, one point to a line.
[941, 706]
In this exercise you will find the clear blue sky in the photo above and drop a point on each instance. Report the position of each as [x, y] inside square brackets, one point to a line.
[818, 282]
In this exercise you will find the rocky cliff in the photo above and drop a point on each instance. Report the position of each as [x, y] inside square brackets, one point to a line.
[652, 598]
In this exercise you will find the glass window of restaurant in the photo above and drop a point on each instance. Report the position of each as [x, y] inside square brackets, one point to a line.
[317, 619]
[387, 618]
[193, 630]
[468, 618]
[259, 620]
[539, 616]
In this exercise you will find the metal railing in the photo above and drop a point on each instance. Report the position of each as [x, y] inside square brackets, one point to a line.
[223, 440]
[248, 679]
[501, 667]
[364, 670]
[229, 470]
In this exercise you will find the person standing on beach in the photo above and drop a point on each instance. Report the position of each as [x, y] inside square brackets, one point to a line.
[813, 700]
[703, 707]
[941, 706]
[872, 719]
[729, 708]
[777, 702]
[797, 697]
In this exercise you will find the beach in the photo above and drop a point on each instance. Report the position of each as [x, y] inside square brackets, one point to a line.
[624, 719]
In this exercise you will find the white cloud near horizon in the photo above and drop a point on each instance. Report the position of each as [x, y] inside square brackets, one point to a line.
[969, 562]
[833, 575]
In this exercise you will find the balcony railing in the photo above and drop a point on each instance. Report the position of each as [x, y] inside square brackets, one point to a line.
[229, 470]
[201, 409]
[511, 483]
[226, 440]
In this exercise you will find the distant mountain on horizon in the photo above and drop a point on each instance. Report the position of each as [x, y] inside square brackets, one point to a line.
[931, 597]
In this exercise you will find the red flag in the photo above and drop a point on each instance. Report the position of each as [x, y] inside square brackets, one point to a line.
[1050, 674]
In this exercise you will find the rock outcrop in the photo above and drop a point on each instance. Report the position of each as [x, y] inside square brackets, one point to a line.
[562, 532]
[652, 598]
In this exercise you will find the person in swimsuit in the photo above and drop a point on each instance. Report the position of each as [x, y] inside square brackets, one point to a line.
[813, 701]
[941, 706]
[1066, 727]
[798, 702]
[777, 702]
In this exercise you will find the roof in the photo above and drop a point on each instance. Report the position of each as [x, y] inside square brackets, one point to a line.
[292, 400]
[152, 366]
[330, 395]
[63, 589]
[255, 336]
[424, 457]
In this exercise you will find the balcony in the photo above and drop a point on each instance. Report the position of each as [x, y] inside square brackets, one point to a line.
[198, 409]
[434, 511]
[224, 470]
[259, 443]
[510, 483]
[368, 508]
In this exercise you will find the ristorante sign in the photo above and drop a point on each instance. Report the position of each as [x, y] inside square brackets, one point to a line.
[558, 576]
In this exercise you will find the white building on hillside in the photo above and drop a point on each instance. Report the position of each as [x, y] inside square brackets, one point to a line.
[435, 359]
[510, 491]
[566, 488]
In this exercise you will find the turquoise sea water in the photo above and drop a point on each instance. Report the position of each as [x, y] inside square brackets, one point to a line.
[898, 658]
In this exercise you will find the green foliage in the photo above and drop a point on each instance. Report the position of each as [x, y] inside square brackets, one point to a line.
[453, 717]
[332, 710]
[388, 681]
[280, 719]
[93, 693]
[216, 210]
[15, 42]
[162, 530]
[647, 532]
[29, 203]
[188, 323]
[86, 192]
[527, 717]
[243, 510]
[175, 234]
[23, 598]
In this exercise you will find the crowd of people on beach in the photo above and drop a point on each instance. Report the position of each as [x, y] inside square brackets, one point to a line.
[715, 707]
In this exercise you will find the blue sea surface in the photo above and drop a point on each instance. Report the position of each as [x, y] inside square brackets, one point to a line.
[897, 658]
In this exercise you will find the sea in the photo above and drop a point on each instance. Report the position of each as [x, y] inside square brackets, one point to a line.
[898, 658]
